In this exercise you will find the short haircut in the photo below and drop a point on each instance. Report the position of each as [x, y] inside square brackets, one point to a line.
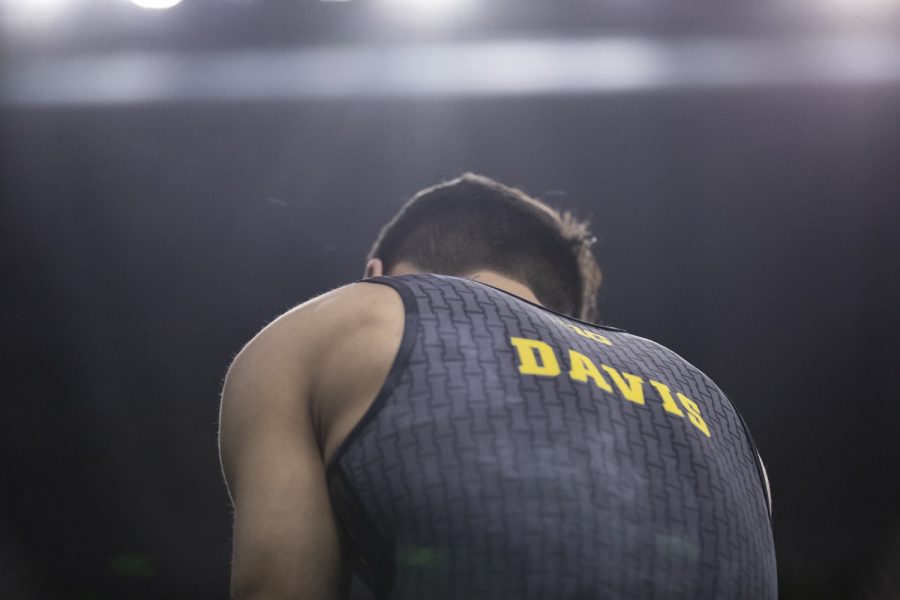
[474, 223]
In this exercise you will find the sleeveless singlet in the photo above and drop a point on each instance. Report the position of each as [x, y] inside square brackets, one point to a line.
[514, 452]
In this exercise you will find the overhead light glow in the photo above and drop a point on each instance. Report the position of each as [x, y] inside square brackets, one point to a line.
[429, 11]
[464, 69]
[156, 4]
[862, 8]
[33, 9]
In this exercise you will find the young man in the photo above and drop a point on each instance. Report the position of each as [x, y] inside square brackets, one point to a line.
[454, 426]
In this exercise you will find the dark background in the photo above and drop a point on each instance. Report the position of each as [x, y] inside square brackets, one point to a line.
[751, 228]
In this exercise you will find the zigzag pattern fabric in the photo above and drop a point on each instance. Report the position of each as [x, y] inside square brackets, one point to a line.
[514, 452]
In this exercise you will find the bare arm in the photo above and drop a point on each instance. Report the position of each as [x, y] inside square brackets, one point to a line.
[286, 542]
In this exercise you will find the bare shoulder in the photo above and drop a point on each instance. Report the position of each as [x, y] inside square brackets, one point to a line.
[320, 361]
[338, 312]
[274, 424]
[352, 305]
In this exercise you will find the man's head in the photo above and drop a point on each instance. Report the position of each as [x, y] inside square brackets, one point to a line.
[474, 223]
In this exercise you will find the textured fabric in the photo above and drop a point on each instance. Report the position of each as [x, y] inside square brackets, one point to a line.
[517, 453]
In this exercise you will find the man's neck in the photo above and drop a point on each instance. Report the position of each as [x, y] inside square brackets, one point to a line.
[493, 278]
[504, 283]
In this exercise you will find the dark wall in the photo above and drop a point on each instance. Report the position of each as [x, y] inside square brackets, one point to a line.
[752, 231]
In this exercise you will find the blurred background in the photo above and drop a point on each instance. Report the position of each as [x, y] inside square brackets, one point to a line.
[174, 177]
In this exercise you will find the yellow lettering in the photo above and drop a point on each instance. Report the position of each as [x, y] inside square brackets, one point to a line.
[582, 368]
[530, 351]
[632, 389]
[539, 358]
[666, 396]
[591, 335]
[693, 413]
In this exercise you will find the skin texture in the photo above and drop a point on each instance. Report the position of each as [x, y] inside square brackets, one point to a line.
[291, 396]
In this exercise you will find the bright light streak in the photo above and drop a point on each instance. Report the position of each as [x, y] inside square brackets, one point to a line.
[40, 5]
[32, 10]
[451, 70]
[430, 11]
[862, 8]
[156, 4]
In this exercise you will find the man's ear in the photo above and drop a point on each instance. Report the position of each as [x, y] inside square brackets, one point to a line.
[374, 268]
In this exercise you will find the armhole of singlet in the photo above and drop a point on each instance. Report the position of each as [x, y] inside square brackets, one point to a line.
[757, 459]
[410, 324]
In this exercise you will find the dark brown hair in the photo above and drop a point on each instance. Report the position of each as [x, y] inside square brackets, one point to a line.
[473, 222]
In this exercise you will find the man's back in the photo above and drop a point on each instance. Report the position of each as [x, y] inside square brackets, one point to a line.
[515, 452]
